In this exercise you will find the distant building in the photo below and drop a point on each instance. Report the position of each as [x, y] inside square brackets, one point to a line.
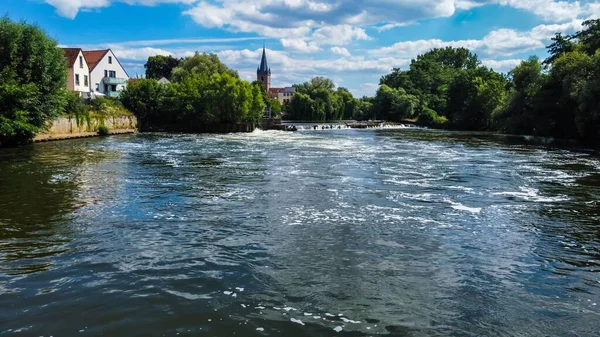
[263, 75]
[283, 95]
[164, 80]
[107, 75]
[78, 79]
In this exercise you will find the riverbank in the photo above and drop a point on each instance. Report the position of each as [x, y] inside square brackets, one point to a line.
[71, 128]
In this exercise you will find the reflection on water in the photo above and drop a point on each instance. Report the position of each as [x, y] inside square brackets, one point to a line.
[393, 231]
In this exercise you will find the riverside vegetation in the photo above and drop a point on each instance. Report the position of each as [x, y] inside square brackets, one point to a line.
[450, 88]
[444, 88]
[203, 93]
[33, 73]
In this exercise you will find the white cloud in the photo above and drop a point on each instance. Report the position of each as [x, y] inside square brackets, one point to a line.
[300, 45]
[70, 8]
[503, 66]
[340, 51]
[139, 54]
[501, 42]
[340, 34]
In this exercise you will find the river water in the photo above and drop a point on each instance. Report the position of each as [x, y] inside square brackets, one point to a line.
[314, 233]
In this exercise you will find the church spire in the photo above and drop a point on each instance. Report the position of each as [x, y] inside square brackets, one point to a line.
[264, 67]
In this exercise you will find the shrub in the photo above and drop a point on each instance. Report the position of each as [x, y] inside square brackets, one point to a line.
[103, 130]
[430, 118]
[33, 73]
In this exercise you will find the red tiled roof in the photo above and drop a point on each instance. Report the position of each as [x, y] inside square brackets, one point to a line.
[71, 55]
[275, 90]
[94, 56]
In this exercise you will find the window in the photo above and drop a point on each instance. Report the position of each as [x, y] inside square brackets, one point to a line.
[112, 74]
[110, 60]
[106, 73]
[85, 80]
[81, 62]
[76, 79]
[97, 86]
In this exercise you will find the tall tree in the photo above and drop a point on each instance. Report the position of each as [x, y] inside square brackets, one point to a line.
[201, 64]
[33, 73]
[160, 66]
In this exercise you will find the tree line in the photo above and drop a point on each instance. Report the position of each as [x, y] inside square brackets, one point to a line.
[203, 91]
[450, 88]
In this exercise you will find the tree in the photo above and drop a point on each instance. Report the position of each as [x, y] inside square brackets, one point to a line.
[589, 37]
[394, 104]
[160, 66]
[560, 45]
[587, 118]
[474, 96]
[325, 103]
[302, 107]
[201, 64]
[33, 74]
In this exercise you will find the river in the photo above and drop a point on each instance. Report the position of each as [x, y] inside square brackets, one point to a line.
[399, 232]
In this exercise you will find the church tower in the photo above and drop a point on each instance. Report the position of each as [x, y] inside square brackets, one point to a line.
[263, 73]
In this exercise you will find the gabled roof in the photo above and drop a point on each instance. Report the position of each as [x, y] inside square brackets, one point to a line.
[94, 56]
[71, 55]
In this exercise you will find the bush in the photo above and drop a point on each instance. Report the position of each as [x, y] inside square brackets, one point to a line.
[103, 130]
[33, 73]
[430, 118]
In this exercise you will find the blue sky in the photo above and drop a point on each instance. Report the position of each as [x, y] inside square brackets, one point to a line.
[353, 42]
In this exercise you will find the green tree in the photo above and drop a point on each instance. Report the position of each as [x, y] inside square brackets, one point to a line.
[474, 97]
[302, 107]
[560, 45]
[33, 74]
[589, 37]
[160, 66]
[201, 64]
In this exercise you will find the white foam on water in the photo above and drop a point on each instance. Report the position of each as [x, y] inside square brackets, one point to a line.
[260, 329]
[329, 315]
[289, 308]
[228, 293]
[259, 308]
[338, 329]
[239, 289]
[460, 207]
[532, 194]
[297, 321]
[346, 320]
[307, 314]
[243, 306]
[317, 317]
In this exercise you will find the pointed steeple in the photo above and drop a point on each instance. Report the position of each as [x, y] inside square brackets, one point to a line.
[264, 67]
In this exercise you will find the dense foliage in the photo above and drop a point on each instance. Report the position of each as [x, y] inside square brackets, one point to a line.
[203, 92]
[449, 83]
[564, 100]
[160, 66]
[450, 88]
[33, 74]
[317, 100]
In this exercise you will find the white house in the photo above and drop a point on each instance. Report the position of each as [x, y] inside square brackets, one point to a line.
[107, 76]
[79, 72]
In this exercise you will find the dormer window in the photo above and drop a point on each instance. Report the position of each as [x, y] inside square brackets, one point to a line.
[110, 60]
[81, 62]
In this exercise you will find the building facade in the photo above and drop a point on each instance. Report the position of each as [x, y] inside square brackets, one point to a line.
[107, 75]
[78, 79]
[263, 75]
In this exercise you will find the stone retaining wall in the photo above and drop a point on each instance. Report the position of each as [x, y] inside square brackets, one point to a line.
[66, 128]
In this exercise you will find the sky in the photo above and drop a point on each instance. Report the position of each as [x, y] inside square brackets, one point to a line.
[353, 42]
